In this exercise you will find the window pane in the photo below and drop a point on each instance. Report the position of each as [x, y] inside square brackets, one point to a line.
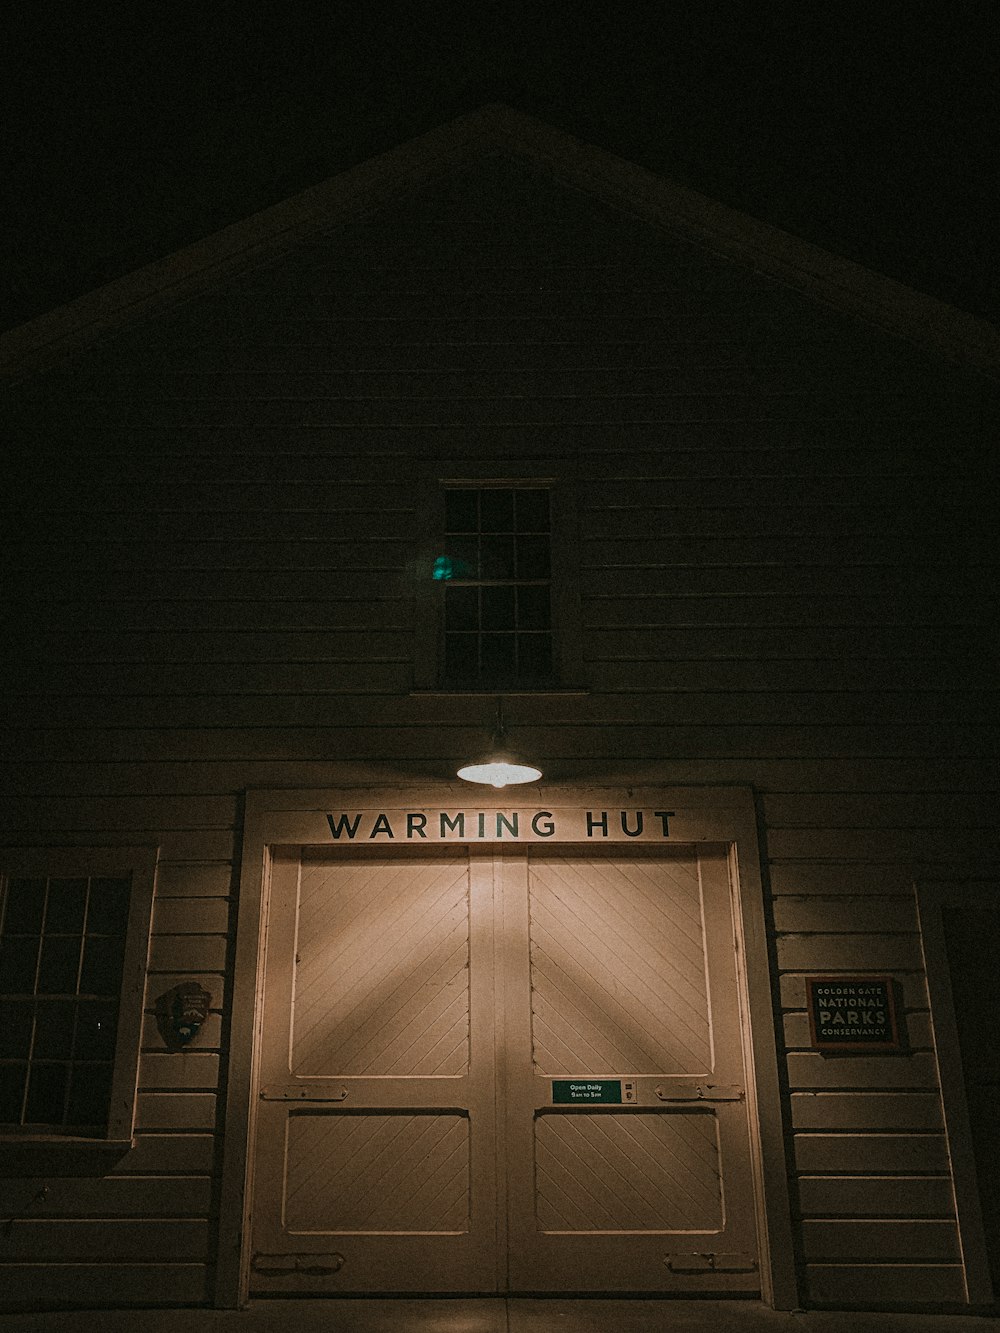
[46, 1094]
[497, 558]
[498, 655]
[15, 1029]
[496, 511]
[534, 656]
[12, 1080]
[107, 911]
[18, 957]
[89, 1096]
[498, 608]
[96, 1029]
[461, 659]
[67, 900]
[54, 1030]
[463, 553]
[532, 511]
[60, 931]
[512, 573]
[461, 608]
[533, 558]
[23, 909]
[533, 608]
[59, 965]
[102, 960]
[461, 511]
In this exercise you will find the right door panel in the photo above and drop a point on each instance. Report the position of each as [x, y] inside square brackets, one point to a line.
[621, 977]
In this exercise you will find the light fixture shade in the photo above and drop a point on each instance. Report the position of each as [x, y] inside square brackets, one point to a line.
[500, 768]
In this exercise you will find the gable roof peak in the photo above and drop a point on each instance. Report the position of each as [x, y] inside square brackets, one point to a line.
[497, 129]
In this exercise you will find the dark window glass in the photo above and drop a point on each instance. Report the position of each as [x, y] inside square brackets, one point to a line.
[89, 1095]
[497, 558]
[60, 964]
[535, 651]
[533, 560]
[461, 511]
[12, 1081]
[496, 577]
[24, 907]
[498, 655]
[15, 1029]
[96, 1030]
[498, 607]
[107, 910]
[461, 608]
[54, 1021]
[56, 1046]
[46, 1094]
[66, 906]
[102, 965]
[461, 656]
[18, 959]
[463, 557]
[532, 511]
[496, 511]
[533, 608]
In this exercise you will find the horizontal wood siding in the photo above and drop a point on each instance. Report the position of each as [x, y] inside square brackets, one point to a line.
[213, 553]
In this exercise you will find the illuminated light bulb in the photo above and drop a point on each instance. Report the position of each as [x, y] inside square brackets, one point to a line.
[500, 770]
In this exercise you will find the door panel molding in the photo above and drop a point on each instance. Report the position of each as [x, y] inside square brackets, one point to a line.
[373, 1140]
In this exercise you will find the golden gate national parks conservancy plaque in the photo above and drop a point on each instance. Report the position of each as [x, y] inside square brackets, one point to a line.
[852, 1013]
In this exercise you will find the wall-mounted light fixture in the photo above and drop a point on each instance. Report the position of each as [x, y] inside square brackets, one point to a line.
[500, 766]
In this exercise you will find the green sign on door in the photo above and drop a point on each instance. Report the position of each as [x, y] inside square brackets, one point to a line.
[606, 1091]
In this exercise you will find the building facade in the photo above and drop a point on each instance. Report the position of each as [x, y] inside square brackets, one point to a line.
[498, 423]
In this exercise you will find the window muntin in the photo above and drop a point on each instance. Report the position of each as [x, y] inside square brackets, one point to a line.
[497, 571]
[62, 945]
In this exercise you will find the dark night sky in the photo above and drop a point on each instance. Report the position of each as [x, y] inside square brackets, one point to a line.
[870, 129]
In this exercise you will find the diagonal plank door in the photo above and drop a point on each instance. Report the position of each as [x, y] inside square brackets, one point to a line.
[419, 1010]
[375, 1161]
[621, 970]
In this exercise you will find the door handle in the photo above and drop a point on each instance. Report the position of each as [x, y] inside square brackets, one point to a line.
[701, 1092]
[309, 1093]
[315, 1265]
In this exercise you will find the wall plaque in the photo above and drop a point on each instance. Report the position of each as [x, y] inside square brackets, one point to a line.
[852, 1014]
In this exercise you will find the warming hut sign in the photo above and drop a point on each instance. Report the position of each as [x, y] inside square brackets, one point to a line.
[852, 1013]
[522, 825]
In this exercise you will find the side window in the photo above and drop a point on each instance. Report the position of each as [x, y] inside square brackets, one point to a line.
[72, 964]
[496, 567]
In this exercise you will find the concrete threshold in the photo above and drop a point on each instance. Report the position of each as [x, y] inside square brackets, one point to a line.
[493, 1315]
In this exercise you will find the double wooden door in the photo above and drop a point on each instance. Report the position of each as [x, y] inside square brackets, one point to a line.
[513, 1070]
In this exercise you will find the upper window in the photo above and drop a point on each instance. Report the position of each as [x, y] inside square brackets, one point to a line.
[67, 1049]
[497, 570]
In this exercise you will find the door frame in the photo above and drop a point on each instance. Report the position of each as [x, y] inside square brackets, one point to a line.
[298, 817]
[933, 898]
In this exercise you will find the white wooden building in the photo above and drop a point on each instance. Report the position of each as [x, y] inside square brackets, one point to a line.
[498, 416]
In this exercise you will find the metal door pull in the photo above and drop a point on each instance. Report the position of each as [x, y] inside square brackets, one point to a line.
[711, 1263]
[316, 1265]
[308, 1094]
[702, 1092]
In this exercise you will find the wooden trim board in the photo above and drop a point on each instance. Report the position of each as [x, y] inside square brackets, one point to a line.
[932, 899]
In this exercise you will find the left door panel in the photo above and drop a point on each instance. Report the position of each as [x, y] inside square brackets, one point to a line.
[374, 1167]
